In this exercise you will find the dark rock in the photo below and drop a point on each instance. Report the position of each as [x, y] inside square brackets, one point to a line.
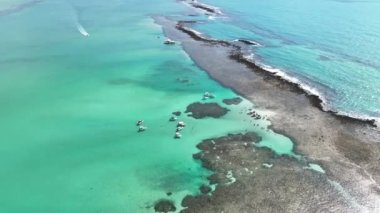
[190, 201]
[213, 179]
[204, 7]
[197, 156]
[164, 205]
[201, 110]
[205, 189]
[206, 163]
[248, 137]
[187, 200]
[169, 193]
[233, 101]
[188, 21]
[196, 36]
[177, 113]
[248, 42]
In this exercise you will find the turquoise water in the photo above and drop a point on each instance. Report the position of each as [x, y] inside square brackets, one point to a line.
[330, 45]
[75, 76]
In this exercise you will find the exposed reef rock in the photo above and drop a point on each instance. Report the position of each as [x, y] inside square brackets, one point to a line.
[237, 55]
[164, 205]
[233, 101]
[346, 148]
[205, 7]
[204, 189]
[177, 113]
[248, 42]
[244, 185]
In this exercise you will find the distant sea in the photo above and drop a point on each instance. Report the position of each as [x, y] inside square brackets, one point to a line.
[330, 46]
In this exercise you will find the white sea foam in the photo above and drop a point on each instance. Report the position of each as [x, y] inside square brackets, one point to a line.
[310, 90]
[212, 17]
[249, 57]
[283, 75]
[198, 34]
[195, 32]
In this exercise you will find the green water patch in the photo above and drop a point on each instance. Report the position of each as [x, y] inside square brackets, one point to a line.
[280, 144]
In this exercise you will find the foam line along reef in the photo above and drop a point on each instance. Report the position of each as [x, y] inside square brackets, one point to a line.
[321, 137]
[237, 54]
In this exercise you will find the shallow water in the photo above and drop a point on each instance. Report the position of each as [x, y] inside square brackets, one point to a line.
[330, 45]
[69, 106]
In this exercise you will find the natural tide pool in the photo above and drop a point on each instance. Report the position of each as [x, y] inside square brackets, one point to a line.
[69, 106]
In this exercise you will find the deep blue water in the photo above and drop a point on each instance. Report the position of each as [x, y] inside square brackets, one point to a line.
[329, 45]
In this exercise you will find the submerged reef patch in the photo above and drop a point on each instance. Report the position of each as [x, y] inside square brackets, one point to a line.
[164, 205]
[202, 110]
[233, 101]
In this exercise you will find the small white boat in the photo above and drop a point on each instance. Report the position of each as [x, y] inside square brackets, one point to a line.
[179, 129]
[208, 95]
[181, 124]
[177, 135]
[142, 128]
[140, 122]
[169, 42]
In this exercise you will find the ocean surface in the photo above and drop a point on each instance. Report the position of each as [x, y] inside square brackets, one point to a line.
[75, 76]
[330, 46]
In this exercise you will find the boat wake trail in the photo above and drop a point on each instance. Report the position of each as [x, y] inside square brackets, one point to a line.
[76, 20]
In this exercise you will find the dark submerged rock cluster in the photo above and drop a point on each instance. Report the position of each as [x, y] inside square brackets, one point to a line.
[164, 205]
[233, 101]
[262, 180]
[202, 110]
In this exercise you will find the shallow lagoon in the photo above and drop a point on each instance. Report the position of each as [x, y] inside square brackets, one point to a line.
[69, 105]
